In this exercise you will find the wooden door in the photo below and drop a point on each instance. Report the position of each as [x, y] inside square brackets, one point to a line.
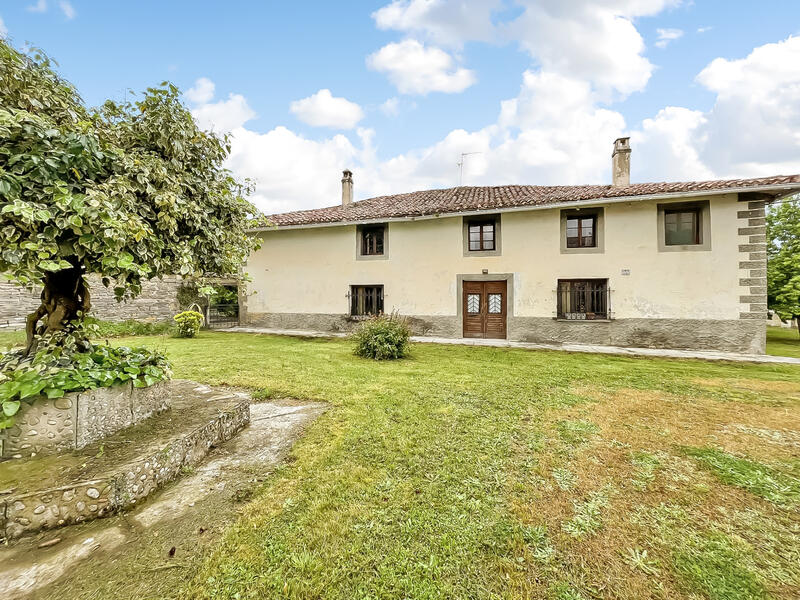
[485, 307]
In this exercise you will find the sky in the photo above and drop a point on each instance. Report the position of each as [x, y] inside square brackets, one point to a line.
[535, 91]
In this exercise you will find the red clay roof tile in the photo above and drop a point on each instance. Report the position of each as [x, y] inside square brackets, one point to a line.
[469, 199]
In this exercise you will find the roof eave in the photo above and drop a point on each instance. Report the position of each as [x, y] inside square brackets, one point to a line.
[782, 190]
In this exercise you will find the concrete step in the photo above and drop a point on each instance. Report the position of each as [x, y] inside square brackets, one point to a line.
[121, 470]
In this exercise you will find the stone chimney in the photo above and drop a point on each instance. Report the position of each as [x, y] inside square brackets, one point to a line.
[347, 187]
[621, 162]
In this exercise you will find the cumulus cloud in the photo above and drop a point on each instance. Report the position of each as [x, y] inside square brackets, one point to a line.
[201, 92]
[418, 69]
[225, 115]
[67, 8]
[40, 6]
[665, 36]
[325, 110]
[441, 21]
[754, 125]
[391, 107]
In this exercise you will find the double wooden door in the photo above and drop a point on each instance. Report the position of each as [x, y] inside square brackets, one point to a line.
[485, 308]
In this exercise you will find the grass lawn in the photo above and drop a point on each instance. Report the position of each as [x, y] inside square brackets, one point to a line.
[783, 342]
[468, 472]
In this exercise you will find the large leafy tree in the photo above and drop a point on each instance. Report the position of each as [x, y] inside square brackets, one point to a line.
[783, 255]
[132, 191]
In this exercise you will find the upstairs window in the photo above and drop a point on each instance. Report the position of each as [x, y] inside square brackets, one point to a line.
[683, 227]
[481, 235]
[372, 240]
[366, 300]
[582, 232]
[582, 299]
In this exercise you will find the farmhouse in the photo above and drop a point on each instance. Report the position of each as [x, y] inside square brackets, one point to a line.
[672, 265]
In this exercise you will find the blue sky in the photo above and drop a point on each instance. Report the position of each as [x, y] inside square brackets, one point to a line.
[539, 87]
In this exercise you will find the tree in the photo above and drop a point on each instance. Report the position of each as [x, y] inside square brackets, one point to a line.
[131, 191]
[783, 259]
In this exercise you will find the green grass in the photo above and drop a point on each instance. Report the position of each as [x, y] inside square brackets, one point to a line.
[470, 472]
[783, 342]
[757, 478]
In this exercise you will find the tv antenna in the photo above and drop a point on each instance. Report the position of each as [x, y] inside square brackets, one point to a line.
[460, 164]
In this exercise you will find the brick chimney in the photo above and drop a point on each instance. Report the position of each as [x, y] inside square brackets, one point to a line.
[347, 187]
[621, 162]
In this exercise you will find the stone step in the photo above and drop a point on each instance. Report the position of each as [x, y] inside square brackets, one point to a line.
[121, 470]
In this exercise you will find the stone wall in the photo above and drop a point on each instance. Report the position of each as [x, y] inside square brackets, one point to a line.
[79, 418]
[157, 302]
[86, 500]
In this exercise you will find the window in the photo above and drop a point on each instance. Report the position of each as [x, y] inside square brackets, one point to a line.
[582, 299]
[582, 232]
[366, 300]
[481, 235]
[682, 227]
[372, 241]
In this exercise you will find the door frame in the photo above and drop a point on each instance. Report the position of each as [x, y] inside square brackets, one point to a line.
[462, 277]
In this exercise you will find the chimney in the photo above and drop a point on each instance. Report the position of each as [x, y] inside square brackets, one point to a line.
[621, 162]
[347, 187]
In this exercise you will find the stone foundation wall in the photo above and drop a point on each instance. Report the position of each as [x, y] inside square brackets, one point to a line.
[88, 500]
[743, 335]
[157, 302]
[79, 418]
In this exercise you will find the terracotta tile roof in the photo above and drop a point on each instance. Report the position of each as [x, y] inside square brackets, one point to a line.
[469, 199]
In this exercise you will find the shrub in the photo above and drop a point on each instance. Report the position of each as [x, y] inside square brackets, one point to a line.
[189, 323]
[382, 338]
[53, 372]
[110, 329]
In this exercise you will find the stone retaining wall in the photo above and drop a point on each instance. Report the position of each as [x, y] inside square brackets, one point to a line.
[86, 500]
[79, 418]
[157, 302]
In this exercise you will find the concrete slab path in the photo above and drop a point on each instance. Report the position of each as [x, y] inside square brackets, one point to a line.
[585, 348]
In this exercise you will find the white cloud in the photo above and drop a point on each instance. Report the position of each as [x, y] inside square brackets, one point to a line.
[3, 28]
[416, 69]
[596, 41]
[441, 21]
[324, 110]
[224, 115]
[39, 7]
[391, 107]
[704, 29]
[754, 125]
[67, 9]
[201, 92]
[665, 36]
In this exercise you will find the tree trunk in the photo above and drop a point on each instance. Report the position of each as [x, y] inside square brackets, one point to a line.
[65, 302]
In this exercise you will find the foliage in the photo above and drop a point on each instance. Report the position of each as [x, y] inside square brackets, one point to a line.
[58, 369]
[382, 338]
[189, 323]
[131, 191]
[783, 258]
[111, 329]
[753, 476]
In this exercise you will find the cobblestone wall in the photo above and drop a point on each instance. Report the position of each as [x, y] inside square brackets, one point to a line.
[157, 302]
[79, 418]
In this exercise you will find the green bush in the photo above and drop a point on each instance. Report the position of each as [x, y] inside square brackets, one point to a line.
[110, 329]
[53, 372]
[189, 323]
[382, 338]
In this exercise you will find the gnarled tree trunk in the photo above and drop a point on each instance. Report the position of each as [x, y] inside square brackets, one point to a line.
[65, 301]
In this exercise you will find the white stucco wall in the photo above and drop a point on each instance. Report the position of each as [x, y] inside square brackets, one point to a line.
[310, 270]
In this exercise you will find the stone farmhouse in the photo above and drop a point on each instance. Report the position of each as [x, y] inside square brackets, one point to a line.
[670, 265]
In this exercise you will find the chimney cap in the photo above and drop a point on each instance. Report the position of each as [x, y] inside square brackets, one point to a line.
[622, 144]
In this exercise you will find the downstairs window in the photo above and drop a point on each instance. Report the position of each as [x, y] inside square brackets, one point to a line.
[582, 299]
[366, 300]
